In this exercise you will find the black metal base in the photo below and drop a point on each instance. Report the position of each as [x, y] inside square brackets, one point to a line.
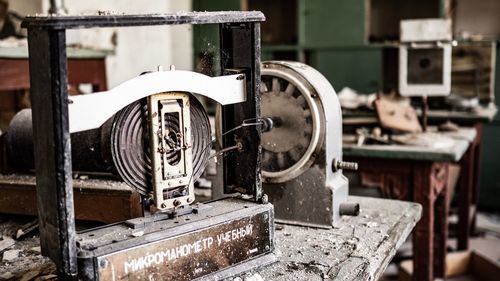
[222, 239]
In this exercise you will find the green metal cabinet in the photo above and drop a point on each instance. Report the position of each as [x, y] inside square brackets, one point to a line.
[206, 37]
[358, 68]
[331, 23]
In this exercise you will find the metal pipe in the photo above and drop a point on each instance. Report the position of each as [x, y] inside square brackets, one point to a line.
[349, 209]
[57, 7]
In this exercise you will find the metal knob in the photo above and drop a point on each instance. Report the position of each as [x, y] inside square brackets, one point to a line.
[349, 209]
[267, 124]
[344, 165]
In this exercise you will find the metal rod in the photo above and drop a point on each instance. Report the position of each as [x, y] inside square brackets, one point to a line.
[425, 108]
[238, 146]
[57, 7]
[49, 99]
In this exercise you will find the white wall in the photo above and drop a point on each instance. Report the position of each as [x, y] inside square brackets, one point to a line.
[137, 49]
[25, 7]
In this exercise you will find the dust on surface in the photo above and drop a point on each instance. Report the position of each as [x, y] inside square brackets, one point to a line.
[30, 262]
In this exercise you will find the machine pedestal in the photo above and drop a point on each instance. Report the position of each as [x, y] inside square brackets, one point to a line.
[219, 239]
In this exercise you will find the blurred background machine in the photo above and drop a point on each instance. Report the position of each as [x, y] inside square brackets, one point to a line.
[425, 60]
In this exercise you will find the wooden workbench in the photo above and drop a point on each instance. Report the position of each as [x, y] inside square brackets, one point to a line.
[470, 167]
[84, 66]
[470, 162]
[418, 174]
[359, 248]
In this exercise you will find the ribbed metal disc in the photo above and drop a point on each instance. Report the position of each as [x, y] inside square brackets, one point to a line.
[289, 148]
[130, 143]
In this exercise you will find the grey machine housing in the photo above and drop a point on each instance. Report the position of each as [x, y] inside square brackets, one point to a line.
[313, 191]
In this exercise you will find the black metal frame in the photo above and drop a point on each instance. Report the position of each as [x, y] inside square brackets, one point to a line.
[240, 48]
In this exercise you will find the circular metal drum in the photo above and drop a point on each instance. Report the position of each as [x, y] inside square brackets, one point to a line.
[291, 147]
[129, 135]
[119, 146]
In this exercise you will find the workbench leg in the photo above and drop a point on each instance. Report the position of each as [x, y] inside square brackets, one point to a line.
[477, 173]
[469, 188]
[465, 199]
[423, 242]
[441, 231]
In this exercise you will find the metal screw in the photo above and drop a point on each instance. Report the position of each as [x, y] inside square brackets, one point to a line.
[265, 199]
[103, 263]
[189, 200]
[344, 165]
[176, 203]
[163, 205]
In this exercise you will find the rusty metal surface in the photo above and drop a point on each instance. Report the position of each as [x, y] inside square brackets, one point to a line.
[185, 248]
[55, 22]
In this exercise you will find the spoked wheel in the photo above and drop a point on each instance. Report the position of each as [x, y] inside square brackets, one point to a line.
[292, 103]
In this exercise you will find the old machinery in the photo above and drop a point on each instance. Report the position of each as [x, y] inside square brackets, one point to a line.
[121, 146]
[154, 134]
[302, 153]
[425, 57]
[425, 60]
[101, 149]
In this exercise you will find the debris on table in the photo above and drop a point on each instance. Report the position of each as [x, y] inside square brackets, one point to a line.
[394, 116]
[448, 126]
[6, 243]
[10, 255]
[357, 248]
[351, 99]
[21, 259]
[427, 139]
[27, 229]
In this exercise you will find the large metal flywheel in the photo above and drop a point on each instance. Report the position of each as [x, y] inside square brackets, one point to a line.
[293, 104]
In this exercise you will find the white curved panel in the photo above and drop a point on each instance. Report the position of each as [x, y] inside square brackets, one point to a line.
[91, 111]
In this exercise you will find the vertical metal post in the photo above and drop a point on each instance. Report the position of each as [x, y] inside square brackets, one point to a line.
[52, 146]
[240, 49]
[425, 109]
[57, 7]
